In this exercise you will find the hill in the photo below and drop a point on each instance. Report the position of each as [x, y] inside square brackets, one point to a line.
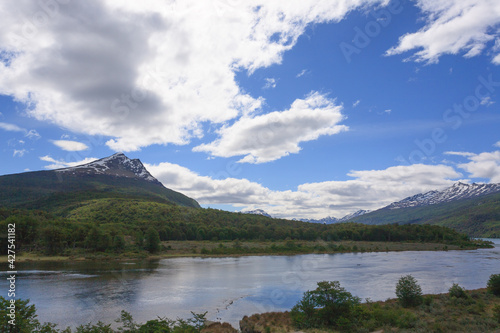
[62, 190]
[473, 209]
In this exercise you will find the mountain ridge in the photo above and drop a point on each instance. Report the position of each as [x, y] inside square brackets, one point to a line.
[115, 176]
[457, 191]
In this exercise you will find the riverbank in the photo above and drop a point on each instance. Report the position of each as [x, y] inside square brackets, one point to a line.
[177, 249]
[478, 311]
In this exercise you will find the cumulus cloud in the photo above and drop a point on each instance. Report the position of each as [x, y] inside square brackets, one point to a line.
[273, 135]
[70, 145]
[148, 72]
[484, 165]
[453, 27]
[369, 189]
[59, 164]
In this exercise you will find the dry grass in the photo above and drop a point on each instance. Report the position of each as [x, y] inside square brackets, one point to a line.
[439, 313]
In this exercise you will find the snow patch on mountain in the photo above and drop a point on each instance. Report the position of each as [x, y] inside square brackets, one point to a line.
[257, 212]
[353, 215]
[116, 165]
[458, 191]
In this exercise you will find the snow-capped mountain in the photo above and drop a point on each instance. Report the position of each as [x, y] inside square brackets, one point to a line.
[325, 220]
[353, 215]
[257, 212]
[331, 219]
[458, 191]
[117, 165]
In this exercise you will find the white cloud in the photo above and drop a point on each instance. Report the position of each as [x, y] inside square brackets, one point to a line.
[33, 135]
[355, 104]
[70, 145]
[11, 127]
[484, 165]
[148, 72]
[274, 135]
[459, 153]
[302, 73]
[497, 144]
[19, 153]
[369, 189]
[270, 83]
[59, 164]
[487, 101]
[453, 27]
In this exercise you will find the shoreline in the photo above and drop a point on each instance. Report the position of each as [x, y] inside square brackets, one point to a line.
[211, 249]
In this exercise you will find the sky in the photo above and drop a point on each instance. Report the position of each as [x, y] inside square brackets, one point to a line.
[302, 108]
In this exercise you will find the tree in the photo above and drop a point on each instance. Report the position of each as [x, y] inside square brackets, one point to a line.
[53, 239]
[139, 239]
[118, 243]
[152, 240]
[457, 291]
[494, 284]
[328, 305]
[408, 291]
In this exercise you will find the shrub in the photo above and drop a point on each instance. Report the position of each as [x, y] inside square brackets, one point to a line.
[496, 312]
[408, 291]
[457, 291]
[328, 305]
[494, 284]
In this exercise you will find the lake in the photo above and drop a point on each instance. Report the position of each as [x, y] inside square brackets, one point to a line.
[71, 294]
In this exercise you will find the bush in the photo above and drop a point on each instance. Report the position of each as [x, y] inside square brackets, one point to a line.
[328, 305]
[457, 291]
[494, 284]
[408, 291]
[496, 312]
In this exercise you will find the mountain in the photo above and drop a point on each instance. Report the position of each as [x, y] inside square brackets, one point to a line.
[325, 220]
[117, 165]
[353, 215]
[257, 212]
[470, 208]
[63, 190]
[458, 191]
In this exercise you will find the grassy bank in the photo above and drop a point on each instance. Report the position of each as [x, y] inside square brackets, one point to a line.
[172, 249]
[438, 313]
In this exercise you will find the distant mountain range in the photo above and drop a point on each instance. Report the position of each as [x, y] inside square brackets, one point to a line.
[459, 191]
[470, 208]
[326, 220]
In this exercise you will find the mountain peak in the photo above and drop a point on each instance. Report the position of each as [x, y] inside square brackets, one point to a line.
[117, 165]
[457, 191]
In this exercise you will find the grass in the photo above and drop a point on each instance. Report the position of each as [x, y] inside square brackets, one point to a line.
[439, 313]
[172, 249]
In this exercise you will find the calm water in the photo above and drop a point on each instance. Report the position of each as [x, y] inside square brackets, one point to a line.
[71, 294]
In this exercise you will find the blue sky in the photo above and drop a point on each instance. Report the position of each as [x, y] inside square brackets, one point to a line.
[305, 109]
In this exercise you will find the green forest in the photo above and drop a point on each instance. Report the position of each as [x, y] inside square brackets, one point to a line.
[119, 224]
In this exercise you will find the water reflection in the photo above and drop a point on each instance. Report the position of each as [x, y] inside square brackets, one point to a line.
[229, 288]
